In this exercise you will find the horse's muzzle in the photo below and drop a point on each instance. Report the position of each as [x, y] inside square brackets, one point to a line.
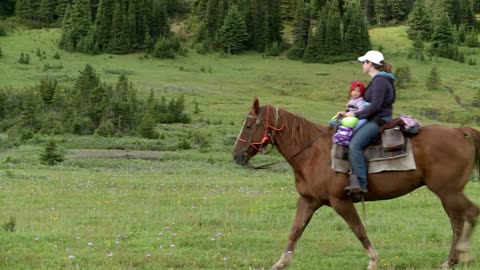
[241, 159]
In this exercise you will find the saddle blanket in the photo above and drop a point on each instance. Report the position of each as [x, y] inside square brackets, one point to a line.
[400, 162]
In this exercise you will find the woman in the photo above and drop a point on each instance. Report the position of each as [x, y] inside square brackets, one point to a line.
[380, 93]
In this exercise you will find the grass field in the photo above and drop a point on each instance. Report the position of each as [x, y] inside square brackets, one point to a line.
[195, 209]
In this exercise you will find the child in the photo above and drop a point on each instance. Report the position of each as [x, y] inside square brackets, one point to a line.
[356, 103]
[350, 124]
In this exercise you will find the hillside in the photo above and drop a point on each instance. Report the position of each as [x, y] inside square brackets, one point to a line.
[224, 85]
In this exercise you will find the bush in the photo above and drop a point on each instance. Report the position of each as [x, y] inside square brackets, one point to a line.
[24, 59]
[168, 47]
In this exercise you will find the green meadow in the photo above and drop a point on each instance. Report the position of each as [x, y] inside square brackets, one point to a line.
[141, 208]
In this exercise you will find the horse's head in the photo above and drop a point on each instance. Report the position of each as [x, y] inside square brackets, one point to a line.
[254, 135]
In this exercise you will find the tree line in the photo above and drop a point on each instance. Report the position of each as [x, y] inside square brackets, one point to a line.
[323, 30]
[88, 107]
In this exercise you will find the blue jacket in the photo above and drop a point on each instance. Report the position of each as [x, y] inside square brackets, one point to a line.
[380, 93]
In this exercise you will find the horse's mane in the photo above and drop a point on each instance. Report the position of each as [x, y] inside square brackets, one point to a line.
[298, 129]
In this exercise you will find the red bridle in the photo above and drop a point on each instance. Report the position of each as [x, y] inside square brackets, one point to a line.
[267, 136]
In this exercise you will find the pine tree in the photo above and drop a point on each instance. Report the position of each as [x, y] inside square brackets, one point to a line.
[356, 38]
[103, 23]
[86, 82]
[289, 9]
[146, 128]
[200, 8]
[52, 154]
[7, 8]
[76, 24]
[442, 33]
[380, 7]
[210, 20]
[118, 42]
[433, 81]
[419, 22]
[315, 43]
[47, 89]
[61, 7]
[158, 25]
[46, 11]
[27, 9]
[301, 30]
[333, 45]
[418, 48]
[233, 34]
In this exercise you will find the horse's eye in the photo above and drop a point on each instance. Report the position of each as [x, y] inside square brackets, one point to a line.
[248, 126]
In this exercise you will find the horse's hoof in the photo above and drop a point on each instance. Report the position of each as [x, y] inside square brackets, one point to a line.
[466, 258]
[445, 266]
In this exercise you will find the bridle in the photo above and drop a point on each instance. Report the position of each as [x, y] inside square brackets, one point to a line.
[268, 134]
[267, 138]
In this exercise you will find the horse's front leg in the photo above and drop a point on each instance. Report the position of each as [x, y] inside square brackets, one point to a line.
[347, 211]
[305, 209]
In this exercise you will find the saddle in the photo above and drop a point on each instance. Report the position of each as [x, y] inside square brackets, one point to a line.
[392, 152]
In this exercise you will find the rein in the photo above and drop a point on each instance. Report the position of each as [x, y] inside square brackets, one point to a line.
[268, 165]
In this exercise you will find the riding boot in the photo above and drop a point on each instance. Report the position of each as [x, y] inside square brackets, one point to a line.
[354, 186]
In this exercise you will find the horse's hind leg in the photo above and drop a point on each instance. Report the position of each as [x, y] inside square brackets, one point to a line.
[463, 215]
[464, 244]
[305, 209]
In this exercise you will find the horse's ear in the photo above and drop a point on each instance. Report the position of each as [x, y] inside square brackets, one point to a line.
[255, 106]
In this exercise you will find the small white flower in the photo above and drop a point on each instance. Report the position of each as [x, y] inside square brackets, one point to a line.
[68, 250]
[149, 255]
[224, 258]
[161, 246]
[90, 244]
[36, 238]
[172, 245]
[213, 238]
[77, 237]
[71, 257]
[110, 254]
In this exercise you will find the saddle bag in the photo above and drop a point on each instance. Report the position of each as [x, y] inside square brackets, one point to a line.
[392, 138]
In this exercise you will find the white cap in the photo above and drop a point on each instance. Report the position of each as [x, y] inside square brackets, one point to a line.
[375, 57]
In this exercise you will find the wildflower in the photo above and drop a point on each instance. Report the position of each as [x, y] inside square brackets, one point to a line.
[36, 238]
[71, 257]
[90, 244]
[110, 254]
[172, 245]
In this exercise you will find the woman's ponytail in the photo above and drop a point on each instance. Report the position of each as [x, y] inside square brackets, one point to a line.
[387, 67]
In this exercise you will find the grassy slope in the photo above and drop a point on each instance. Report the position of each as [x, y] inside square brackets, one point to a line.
[313, 90]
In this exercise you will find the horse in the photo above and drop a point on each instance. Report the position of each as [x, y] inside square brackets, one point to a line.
[445, 158]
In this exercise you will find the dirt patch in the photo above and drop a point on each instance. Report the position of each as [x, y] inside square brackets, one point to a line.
[100, 153]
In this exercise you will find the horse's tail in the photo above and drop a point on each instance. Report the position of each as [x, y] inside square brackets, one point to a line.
[474, 136]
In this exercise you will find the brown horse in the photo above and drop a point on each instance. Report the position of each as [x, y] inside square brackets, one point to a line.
[445, 158]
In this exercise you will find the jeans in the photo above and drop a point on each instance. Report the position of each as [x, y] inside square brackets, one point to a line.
[362, 138]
